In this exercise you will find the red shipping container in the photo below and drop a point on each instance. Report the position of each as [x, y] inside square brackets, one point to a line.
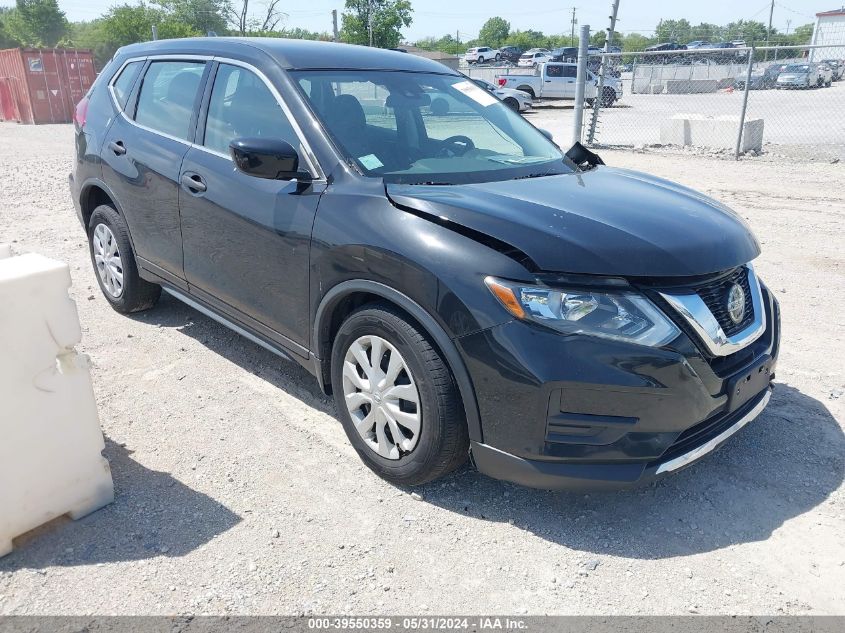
[43, 85]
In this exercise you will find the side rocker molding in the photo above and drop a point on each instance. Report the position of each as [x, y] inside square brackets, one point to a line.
[432, 328]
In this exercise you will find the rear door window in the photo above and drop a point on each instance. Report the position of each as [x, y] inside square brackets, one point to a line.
[168, 97]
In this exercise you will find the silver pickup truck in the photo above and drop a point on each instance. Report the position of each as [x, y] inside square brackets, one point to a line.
[556, 80]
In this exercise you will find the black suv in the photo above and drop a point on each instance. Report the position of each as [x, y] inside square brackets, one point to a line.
[510, 53]
[458, 283]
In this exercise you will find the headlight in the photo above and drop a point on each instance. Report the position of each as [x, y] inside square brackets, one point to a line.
[621, 316]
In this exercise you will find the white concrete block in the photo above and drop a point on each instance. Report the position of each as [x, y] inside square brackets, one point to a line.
[5, 251]
[675, 131]
[50, 438]
[711, 132]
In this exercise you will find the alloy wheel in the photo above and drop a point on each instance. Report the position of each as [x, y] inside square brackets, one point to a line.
[107, 260]
[381, 397]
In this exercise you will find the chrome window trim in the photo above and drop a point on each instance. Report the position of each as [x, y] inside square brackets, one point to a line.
[707, 447]
[304, 148]
[696, 313]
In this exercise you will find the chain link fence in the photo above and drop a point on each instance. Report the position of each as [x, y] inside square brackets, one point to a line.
[788, 101]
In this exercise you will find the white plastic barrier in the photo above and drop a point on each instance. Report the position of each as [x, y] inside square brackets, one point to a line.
[50, 438]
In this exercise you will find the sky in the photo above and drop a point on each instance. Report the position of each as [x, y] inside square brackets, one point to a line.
[438, 17]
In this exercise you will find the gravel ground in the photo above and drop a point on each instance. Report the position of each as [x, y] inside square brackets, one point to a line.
[238, 493]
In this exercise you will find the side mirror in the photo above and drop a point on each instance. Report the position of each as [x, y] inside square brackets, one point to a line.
[546, 133]
[270, 158]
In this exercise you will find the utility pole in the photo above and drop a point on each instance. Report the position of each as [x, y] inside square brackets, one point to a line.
[155, 32]
[771, 11]
[370, 20]
[580, 80]
[334, 23]
[574, 22]
[457, 44]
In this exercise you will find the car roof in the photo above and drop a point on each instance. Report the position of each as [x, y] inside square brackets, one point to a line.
[293, 54]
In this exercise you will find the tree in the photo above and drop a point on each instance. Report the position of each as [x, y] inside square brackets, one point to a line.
[6, 38]
[387, 19]
[199, 16]
[494, 32]
[238, 17]
[674, 31]
[37, 23]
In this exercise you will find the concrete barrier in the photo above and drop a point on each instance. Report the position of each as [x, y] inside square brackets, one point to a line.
[51, 444]
[711, 132]
[691, 86]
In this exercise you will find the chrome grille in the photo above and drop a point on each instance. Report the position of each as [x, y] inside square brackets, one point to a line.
[715, 296]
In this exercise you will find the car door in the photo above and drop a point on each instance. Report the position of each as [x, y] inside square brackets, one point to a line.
[247, 239]
[556, 82]
[142, 153]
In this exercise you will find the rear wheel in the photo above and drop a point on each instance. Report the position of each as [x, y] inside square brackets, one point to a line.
[529, 90]
[114, 263]
[480, 60]
[498, 57]
[396, 397]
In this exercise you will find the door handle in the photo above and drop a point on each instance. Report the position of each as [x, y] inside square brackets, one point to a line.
[193, 182]
[548, 81]
[117, 147]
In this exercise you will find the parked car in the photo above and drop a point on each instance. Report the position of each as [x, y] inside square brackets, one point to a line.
[478, 292]
[761, 80]
[799, 76]
[482, 54]
[666, 46]
[825, 75]
[533, 57]
[556, 80]
[510, 53]
[516, 100]
[838, 67]
[698, 44]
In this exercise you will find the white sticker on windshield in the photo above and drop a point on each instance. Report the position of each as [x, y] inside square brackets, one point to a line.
[475, 93]
[370, 161]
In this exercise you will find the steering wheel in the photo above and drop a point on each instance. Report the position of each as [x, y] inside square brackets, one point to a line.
[457, 145]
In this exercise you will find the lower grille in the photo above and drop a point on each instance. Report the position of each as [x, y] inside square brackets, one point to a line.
[704, 431]
[715, 295]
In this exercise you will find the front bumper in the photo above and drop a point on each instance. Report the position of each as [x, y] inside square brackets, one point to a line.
[583, 413]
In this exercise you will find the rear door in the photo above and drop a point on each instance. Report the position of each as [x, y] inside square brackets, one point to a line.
[247, 239]
[143, 152]
[559, 81]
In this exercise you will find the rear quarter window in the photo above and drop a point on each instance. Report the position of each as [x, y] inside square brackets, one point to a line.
[123, 83]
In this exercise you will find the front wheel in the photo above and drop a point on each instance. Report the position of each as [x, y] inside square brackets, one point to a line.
[114, 263]
[512, 103]
[396, 397]
[608, 97]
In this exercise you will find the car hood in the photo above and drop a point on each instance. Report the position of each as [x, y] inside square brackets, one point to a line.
[605, 221]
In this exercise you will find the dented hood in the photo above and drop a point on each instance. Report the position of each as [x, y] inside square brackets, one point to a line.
[605, 221]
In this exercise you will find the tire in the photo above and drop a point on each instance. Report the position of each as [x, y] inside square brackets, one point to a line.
[442, 442]
[512, 103]
[608, 97]
[480, 60]
[529, 90]
[107, 229]
[498, 57]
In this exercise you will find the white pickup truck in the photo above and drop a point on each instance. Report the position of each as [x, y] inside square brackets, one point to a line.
[556, 80]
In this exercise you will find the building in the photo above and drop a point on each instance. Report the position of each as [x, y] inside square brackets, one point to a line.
[830, 30]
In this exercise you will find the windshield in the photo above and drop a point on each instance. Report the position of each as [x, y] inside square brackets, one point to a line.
[797, 68]
[419, 128]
